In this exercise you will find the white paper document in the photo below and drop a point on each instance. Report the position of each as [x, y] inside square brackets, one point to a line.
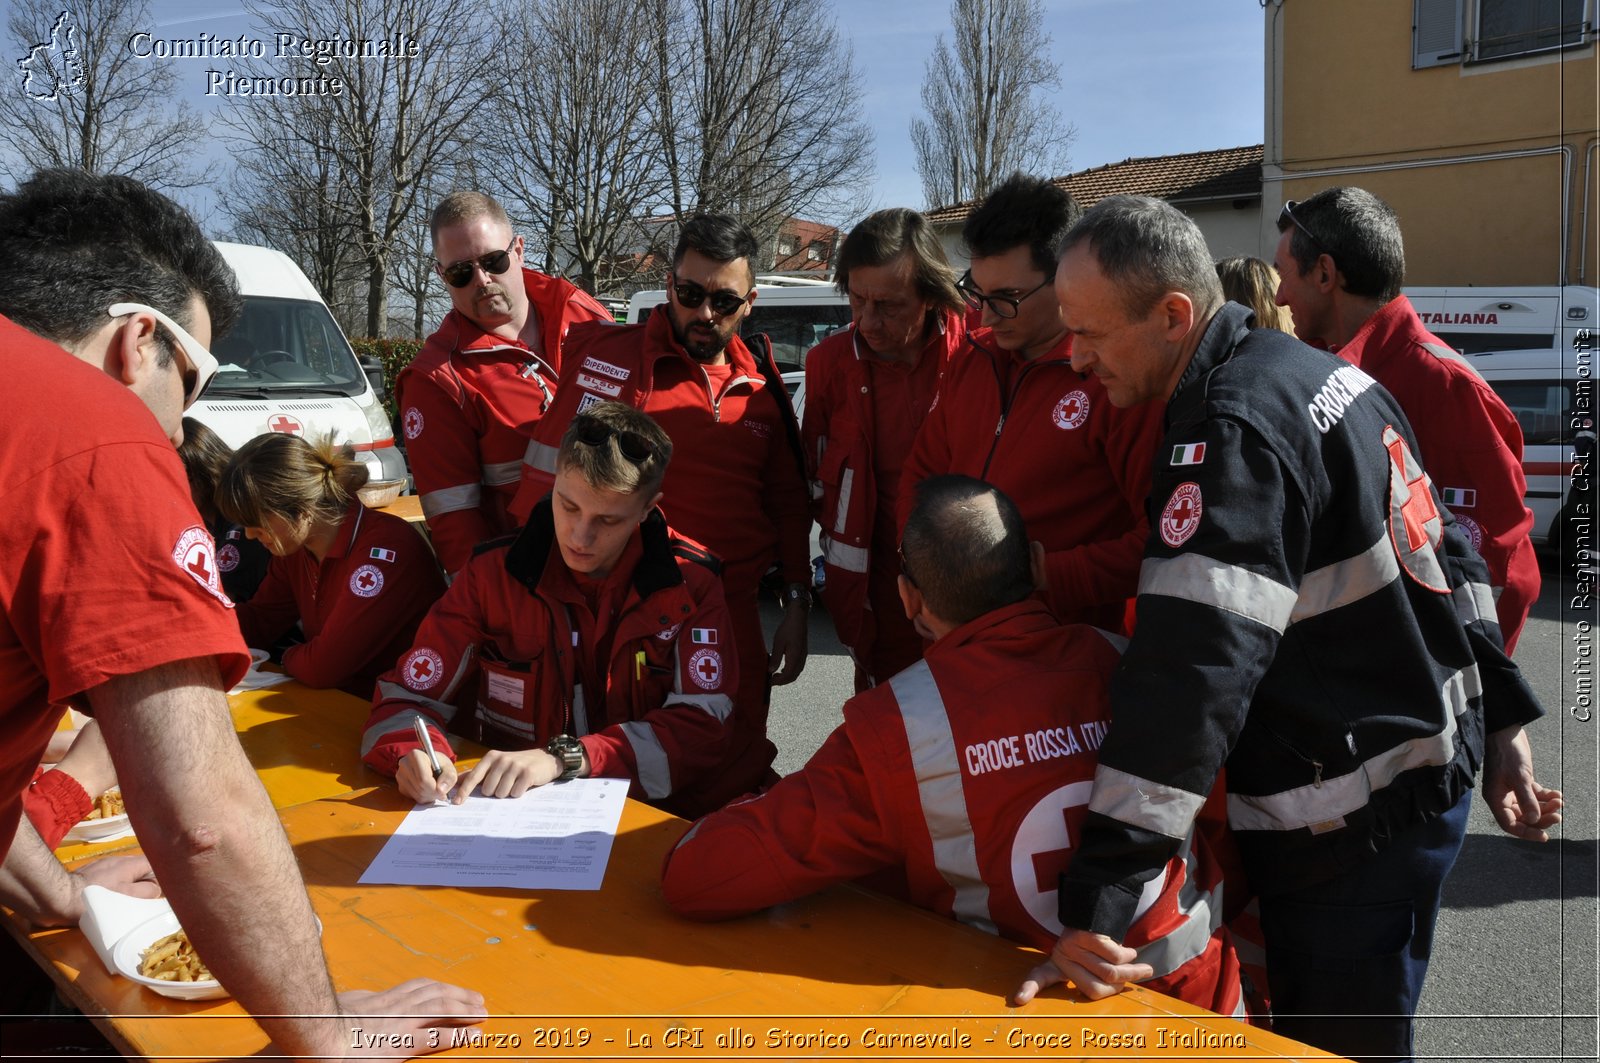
[554, 837]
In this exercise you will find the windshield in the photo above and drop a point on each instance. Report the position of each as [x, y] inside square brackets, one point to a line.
[285, 345]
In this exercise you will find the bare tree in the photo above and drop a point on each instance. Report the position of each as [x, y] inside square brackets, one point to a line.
[987, 112]
[90, 102]
[759, 113]
[586, 163]
[396, 119]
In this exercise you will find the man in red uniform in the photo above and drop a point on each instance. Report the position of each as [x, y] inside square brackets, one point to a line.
[110, 597]
[965, 777]
[595, 640]
[1341, 263]
[868, 389]
[470, 399]
[735, 483]
[1012, 411]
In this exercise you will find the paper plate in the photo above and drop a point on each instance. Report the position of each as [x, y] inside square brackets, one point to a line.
[99, 830]
[130, 949]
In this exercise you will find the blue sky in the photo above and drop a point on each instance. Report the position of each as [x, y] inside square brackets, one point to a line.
[1139, 77]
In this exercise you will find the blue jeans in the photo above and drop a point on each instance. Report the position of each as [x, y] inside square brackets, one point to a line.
[1346, 958]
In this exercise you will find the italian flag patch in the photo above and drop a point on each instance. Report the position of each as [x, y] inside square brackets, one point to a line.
[1459, 497]
[703, 635]
[380, 554]
[1189, 454]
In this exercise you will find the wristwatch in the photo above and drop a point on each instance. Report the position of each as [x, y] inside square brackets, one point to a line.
[796, 592]
[569, 751]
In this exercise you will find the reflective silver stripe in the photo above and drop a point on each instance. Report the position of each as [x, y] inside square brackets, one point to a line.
[436, 504]
[1474, 602]
[541, 456]
[1144, 804]
[506, 472]
[1205, 581]
[520, 728]
[1314, 804]
[1202, 911]
[1333, 586]
[655, 774]
[843, 556]
[399, 722]
[717, 706]
[841, 512]
[1118, 642]
[944, 803]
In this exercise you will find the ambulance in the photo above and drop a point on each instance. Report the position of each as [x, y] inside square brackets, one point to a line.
[286, 367]
[1478, 320]
[1552, 394]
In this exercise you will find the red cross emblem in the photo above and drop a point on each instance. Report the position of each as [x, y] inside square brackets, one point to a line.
[1041, 848]
[197, 563]
[1072, 410]
[195, 554]
[1411, 507]
[705, 668]
[1181, 517]
[420, 670]
[366, 581]
[282, 422]
[1048, 865]
[1418, 508]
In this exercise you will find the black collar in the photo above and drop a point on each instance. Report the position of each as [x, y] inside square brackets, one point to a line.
[657, 568]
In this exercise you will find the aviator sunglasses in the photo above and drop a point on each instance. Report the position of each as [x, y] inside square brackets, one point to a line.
[691, 295]
[635, 447]
[460, 274]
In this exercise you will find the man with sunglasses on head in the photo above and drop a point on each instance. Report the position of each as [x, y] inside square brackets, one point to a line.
[1341, 263]
[868, 389]
[1013, 412]
[596, 639]
[111, 601]
[470, 399]
[735, 483]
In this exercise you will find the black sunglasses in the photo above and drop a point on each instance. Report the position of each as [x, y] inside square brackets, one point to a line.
[1287, 215]
[691, 295]
[460, 274]
[1002, 305]
[635, 447]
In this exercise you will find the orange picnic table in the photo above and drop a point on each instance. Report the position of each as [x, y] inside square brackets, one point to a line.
[613, 973]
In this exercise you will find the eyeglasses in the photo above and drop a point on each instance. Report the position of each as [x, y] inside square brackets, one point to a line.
[905, 567]
[1286, 217]
[1002, 305]
[460, 274]
[691, 295]
[635, 447]
[197, 365]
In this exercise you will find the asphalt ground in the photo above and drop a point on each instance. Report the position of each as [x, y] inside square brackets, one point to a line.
[1514, 972]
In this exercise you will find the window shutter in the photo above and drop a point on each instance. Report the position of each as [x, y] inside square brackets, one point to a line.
[1436, 33]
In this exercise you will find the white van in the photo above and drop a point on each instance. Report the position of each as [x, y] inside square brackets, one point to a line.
[286, 367]
[795, 313]
[1477, 320]
[1552, 394]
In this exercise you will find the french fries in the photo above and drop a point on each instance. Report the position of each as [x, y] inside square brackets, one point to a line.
[107, 805]
[173, 959]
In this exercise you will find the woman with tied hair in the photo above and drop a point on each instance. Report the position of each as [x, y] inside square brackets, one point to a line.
[1253, 282]
[357, 580]
[241, 561]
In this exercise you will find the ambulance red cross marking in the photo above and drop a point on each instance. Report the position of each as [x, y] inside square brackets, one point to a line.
[1418, 509]
[1048, 866]
[284, 423]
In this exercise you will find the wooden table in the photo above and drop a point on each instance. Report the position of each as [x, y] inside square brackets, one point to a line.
[408, 507]
[614, 974]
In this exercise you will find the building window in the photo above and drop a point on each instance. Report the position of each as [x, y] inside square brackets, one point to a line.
[786, 246]
[1520, 27]
[816, 251]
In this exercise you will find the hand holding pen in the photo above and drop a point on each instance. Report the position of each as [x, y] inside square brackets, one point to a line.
[423, 775]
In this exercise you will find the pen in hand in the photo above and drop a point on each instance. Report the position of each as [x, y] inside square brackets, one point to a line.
[427, 744]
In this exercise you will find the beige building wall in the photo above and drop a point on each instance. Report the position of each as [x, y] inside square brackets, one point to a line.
[1491, 166]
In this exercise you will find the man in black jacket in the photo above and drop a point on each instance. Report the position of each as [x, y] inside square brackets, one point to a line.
[1310, 616]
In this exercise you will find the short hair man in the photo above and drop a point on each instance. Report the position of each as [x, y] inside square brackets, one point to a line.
[470, 398]
[868, 389]
[983, 749]
[1307, 615]
[735, 483]
[111, 594]
[1341, 263]
[594, 640]
[1012, 411]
